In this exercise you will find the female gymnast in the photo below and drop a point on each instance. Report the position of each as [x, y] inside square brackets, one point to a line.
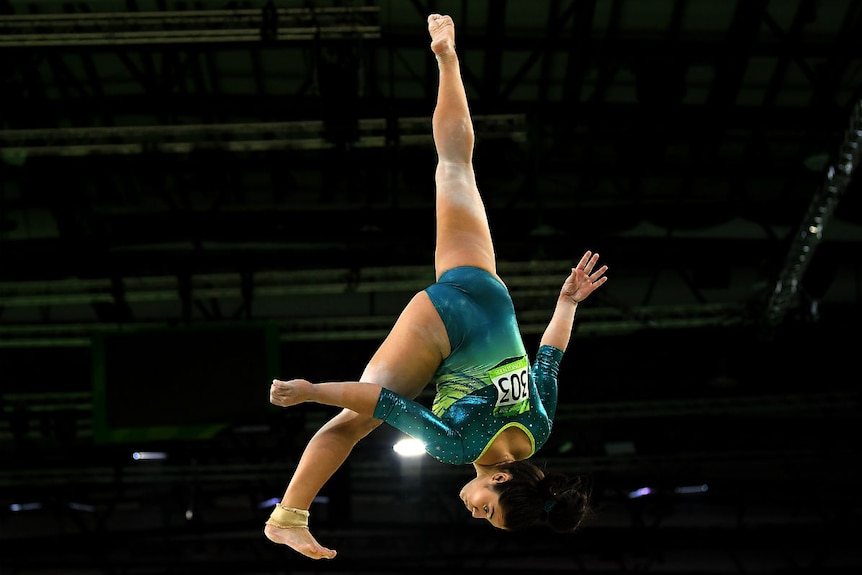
[492, 409]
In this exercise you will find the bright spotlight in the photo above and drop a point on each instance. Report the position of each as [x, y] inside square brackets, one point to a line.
[145, 455]
[409, 448]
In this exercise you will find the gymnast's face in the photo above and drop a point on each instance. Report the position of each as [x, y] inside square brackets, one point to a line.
[482, 501]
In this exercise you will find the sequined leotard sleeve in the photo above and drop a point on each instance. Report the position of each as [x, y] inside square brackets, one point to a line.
[485, 385]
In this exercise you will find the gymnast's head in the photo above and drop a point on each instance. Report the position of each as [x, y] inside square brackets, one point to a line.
[518, 494]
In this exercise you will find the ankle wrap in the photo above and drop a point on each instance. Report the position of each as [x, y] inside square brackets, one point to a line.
[286, 517]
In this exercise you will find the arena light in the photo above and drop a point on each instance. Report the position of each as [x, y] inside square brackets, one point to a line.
[25, 506]
[409, 447]
[149, 455]
[267, 503]
[642, 492]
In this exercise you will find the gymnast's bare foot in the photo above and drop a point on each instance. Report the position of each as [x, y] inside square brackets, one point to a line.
[442, 31]
[299, 539]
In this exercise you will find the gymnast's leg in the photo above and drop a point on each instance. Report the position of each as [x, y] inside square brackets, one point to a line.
[463, 234]
[408, 357]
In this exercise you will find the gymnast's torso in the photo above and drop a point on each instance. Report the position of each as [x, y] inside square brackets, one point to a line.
[486, 385]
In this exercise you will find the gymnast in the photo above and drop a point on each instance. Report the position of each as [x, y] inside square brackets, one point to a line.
[493, 408]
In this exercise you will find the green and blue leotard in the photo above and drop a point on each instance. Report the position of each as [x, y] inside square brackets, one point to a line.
[486, 384]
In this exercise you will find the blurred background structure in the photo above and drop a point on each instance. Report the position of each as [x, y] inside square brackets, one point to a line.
[198, 196]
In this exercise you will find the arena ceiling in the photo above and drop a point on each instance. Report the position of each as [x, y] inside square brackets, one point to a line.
[178, 170]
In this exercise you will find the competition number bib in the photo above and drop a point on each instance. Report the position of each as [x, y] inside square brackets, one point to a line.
[513, 392]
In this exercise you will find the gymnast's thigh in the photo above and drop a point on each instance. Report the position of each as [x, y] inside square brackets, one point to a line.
[406, 360]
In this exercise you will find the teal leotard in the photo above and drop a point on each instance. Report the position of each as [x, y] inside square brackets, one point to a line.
[486, 384]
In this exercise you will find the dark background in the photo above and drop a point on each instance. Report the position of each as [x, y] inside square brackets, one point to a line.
[174, 173]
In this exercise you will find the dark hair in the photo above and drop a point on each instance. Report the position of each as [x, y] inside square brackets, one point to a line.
[534, 497]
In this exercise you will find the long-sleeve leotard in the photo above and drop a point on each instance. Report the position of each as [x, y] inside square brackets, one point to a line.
[486, 384]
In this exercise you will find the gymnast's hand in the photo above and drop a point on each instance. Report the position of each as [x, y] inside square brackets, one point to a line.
[584, 279]
[287, 393]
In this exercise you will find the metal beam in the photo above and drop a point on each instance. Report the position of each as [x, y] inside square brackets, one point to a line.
[16, 145]
[785, 292]
[528, 282]
[189, 27]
